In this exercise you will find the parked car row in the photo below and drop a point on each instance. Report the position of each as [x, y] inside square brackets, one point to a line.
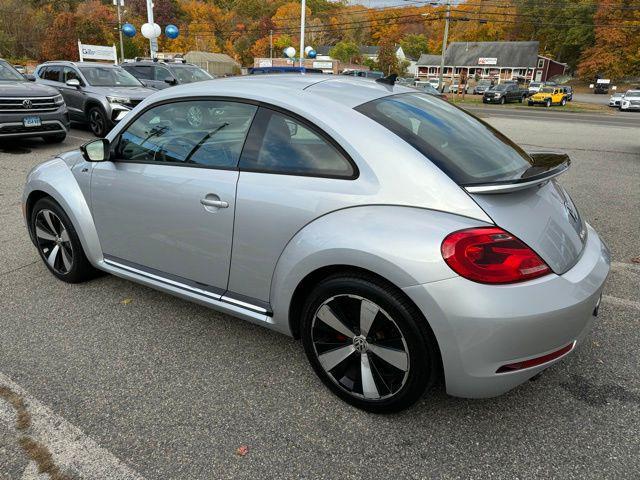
[96, 94]
[627, 101]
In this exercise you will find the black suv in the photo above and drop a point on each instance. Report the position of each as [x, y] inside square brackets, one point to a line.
[30, 110]
[160, 75]
[504, 93]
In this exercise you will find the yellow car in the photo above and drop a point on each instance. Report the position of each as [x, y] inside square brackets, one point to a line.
[548, 96]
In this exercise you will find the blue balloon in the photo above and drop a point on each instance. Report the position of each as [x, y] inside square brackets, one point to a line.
[171, 31]
[312, 54]
[128, 30]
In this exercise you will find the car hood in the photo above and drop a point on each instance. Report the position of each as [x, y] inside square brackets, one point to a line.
[131, 92]
[26, 89]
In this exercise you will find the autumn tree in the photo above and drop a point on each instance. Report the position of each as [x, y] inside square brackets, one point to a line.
[346, 52]
[414, 45]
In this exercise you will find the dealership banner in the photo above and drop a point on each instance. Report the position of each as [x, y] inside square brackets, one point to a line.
[487, 61]
[97, 52]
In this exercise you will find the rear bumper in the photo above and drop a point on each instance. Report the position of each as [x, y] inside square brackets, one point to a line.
[481, 328]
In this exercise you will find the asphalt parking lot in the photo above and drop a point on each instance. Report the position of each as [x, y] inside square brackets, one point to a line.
[124, 382]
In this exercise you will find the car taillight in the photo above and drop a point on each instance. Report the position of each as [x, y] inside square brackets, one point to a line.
[491, 255]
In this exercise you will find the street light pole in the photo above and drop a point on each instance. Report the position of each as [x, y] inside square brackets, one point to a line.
[444, 46]
[302, 21]
[153, 42]
[271, 44]
[120, 3]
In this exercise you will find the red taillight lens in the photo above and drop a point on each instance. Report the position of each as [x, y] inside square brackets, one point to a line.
[491, 255]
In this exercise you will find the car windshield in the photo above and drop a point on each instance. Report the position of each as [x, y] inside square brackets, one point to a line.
[9, 74]
[547, 90]
[632, 94]
[109, 77]
[189, 74]
[534, 84]
[467, 149]
[500, 88]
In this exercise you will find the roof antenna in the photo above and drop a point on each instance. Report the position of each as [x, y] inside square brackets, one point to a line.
[390, 80]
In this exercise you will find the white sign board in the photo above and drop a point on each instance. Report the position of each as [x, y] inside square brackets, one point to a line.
[97, 52]
[487, 61]
[264, 63]
[603, 80]
[323, 65]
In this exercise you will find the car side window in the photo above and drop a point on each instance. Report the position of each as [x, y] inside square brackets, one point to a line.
[279, 143]
[141, 72]
[191, 133]
[162, 74]
[69, 74]
[52, 74]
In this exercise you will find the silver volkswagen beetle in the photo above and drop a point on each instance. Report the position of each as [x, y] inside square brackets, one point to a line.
[402, 239]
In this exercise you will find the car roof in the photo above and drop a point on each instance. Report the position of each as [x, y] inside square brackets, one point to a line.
[78, 64]
[288, 89]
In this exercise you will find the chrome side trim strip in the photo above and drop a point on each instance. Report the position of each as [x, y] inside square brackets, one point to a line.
[246, 305]
[163, 280]
[199, 291]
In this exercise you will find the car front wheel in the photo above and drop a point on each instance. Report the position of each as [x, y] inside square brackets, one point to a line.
[563, 102]
[368, 343]
[58, 243]
[503, 101]
[547, 103]
[98, 122]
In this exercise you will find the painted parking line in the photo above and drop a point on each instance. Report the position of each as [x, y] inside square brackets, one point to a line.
[71, 450]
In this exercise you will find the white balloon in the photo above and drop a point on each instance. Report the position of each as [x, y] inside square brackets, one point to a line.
[307, 49]
[290, 52]
[150, 30]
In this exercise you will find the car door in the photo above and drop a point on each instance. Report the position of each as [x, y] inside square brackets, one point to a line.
[290, 174]
[165, 203]
[74, 97]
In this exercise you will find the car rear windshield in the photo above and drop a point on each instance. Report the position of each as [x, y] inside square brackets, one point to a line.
[467, 149]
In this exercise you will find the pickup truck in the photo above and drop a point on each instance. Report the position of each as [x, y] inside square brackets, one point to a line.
[504, 93]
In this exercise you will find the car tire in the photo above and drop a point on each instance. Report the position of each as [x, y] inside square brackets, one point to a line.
[58, 243]
[530, 104]
[547, 103]
[343, 355]
[563, 102]
[55, 138]
[503, 101]
[98, 122]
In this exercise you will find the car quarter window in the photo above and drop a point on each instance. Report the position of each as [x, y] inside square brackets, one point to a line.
[207, 133]
[279, 143]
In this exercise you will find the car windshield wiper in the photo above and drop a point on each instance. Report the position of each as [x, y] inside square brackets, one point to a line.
[204, 139]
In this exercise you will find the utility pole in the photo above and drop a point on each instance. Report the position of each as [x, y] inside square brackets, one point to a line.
[444, 46]
[271, 44]
[302, 20]
[118, 4]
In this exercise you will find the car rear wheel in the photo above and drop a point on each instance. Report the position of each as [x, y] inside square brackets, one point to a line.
[503, 101]
[547, 102]
[98, 122]
[58, 243]
[368, 344]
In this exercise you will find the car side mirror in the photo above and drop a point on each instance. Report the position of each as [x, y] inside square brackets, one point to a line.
[73, 82]
[171, 81]
[96, 150]
[30, 77]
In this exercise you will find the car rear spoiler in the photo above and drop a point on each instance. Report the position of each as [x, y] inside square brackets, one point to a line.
[545, 166]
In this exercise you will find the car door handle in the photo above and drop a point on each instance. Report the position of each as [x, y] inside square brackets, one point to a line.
[207, 202]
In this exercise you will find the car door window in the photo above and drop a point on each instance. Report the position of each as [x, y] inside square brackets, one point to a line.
[162, 74]
[52, 74]
[194, 133]
[70, 74]
[141, 72]
[279, 143]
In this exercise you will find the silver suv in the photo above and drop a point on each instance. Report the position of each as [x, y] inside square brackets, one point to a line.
[28, 110]
[96, 93]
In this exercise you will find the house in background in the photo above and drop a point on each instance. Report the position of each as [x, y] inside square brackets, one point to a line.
[369, 52]
[495, 60]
